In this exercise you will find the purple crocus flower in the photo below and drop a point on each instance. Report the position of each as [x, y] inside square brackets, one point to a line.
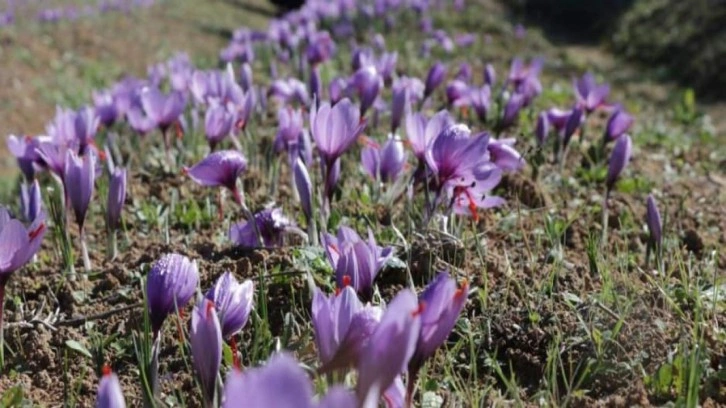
[356, 262]
[170, 284]
[335, 128]
[342, 327]
[271, 224]
[79, 177]
[180, 69]
[316, 83]
[618, 160]
[574, 122]
[164, 109]
[385, 163]
[281, 383]
[288, 91]
[218, 124]
[245, 77]
[490, 75]
[233, 302]
[480, 100]
[221, 168]
[590, 95]
[320, 48]
[24, 148]
[558, 118]
[116, 198]
[457, 93]
[139, 121]
[30, 201]
[454, 155]
[105, 106]
[618, 124]
[435, 77]
[655, 223]
[442, 303]
[205, 338]
[421, 132]
[514, 105]
[304, 188]
[74, 128]
[542, 128]
[109, 391]
[336, 89]
[519, 73]
[18, 245]
[390, 348]
[504, 155]
[367, 84]
[289, 131]
[464, 73]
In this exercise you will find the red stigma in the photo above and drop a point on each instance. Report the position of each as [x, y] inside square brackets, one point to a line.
[28, 138]
[346, 280]
[106, 370]
[421, 307]
[463, 290]
[185, 171]
[34, 233]
[459, 190]
[334, 248]
[235, 358]
[367, 141]
[210, 308]
[240, 124]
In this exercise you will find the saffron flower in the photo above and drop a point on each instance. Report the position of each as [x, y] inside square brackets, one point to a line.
[24, 148]
[289, 132]
[288, 91]
[218, 124]
[367, 84]
[480, 99]
[384, 163]
[170, 285]
[390, 347]
[233, 302]
[77, 129]
[542, 128]
[421, 132]
[280, 383]
[442, 304]
[504, 155]
[490, 75]
[30, 201]
[334, 130]
[405, 91]
[356, 262]
[618, 160]
[164, 109]
[18, 244]
[435, 77]
[79, 178]
[304, 188]
[271, 224]
[109, 391]
[342, 326]
[205, 338]
[321, 48]
[221, 168]
[590, 95]
[618, 124]
[514, 105]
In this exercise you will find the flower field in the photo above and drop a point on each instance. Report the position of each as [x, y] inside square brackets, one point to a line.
[358, 204]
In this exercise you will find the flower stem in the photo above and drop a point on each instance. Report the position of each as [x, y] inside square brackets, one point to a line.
[84, 252]
[112, 245]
